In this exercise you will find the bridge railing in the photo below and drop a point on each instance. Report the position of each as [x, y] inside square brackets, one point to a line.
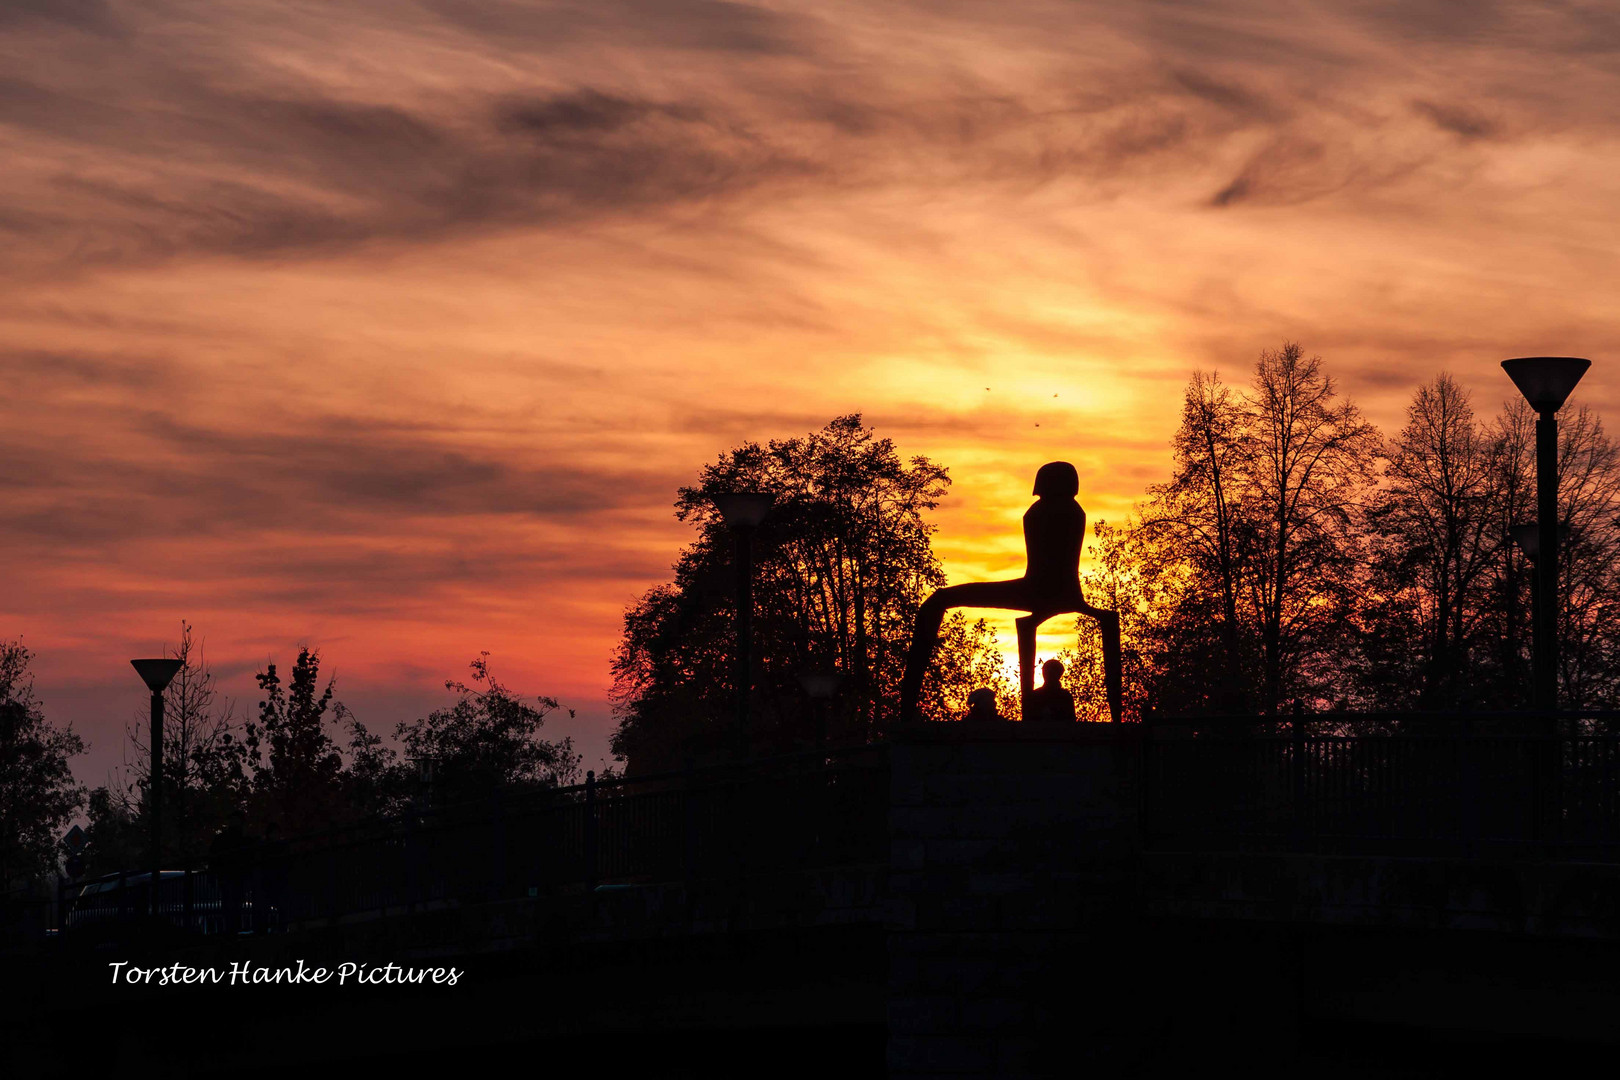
[802, 811]
[1412, 785]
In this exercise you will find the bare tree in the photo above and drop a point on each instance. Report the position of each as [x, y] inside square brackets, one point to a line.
[1198, 511]
[1249, 555]
[1438, 535]
[1589, 571]
[205, 759]
[1310, 460]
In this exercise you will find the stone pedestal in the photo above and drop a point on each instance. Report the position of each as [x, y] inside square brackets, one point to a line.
[1013, 864]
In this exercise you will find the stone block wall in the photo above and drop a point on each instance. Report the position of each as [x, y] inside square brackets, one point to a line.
[1013, 861]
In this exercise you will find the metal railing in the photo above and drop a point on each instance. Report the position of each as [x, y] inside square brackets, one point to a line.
[190, 898]
[1421, 785]
[802, 811]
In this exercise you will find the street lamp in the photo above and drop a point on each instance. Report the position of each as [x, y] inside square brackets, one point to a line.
[820, 687]
[156, 674]
[742, 511]
[1546, 382]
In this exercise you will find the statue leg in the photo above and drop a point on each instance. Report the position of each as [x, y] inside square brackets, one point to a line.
[1027, 626]
[925, 635]
[1113, 663]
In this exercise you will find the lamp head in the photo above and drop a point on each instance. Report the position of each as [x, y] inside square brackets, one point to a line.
[743, 509]
[1546, 381]
[156, 673]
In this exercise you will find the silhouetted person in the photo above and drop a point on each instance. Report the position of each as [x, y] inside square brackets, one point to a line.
[1053, 530]
[1050, 702]
[982, 706]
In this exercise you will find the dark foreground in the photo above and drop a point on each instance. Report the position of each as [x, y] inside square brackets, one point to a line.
[1025, 915]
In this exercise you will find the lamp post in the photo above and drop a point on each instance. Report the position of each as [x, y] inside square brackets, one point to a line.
[742, 511]
[156, 674]
[820, 687]
[1546, 382]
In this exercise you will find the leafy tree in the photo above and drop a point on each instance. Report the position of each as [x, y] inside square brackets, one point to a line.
[1116, 583]
[966, 659]
[1195, 526]
[841, 564]
[117, 837]
[489, 739]
[37, 791]
[296, 781]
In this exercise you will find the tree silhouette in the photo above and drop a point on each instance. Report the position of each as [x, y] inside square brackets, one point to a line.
[488, 740]
[841, 563]
[37, 791]
[1250, 556]
[1311, 461]
[206, 771]
[296, 781]
[1294, 557]
[1589, 571]
[1446, 620]
[1435, 535]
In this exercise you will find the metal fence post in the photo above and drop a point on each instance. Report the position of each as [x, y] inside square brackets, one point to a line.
[1145, 762]
[1297, 748]
[331, 884]
[498, 841]
[1544, 801]
[590, 831]
[688, 823]
[413, 876]
[1470, 762]
[1555, 782]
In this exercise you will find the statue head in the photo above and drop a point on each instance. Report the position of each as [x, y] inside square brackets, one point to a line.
[1057, 479]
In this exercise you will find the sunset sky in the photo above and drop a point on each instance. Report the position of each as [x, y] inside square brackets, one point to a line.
[392, 328]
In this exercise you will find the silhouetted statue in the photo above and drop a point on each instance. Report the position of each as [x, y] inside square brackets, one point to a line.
[1050, 702]
[982, 706]
[1053, 530]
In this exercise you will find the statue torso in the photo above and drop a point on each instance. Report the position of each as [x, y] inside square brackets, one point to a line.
[1053, 531]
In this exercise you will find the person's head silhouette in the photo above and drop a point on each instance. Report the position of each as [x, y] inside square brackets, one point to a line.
[1052, 671]
[982, 704]
[1057, 480]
